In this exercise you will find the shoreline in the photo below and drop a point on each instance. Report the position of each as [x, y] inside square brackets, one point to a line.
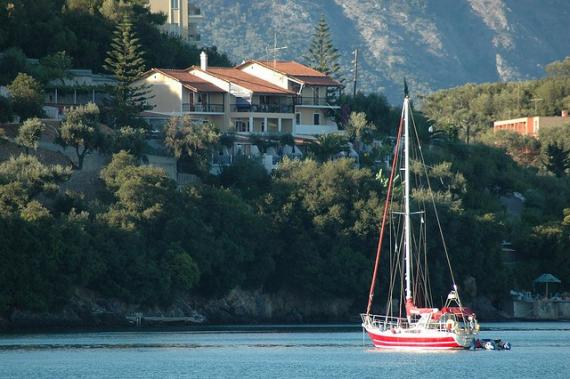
[229, 327]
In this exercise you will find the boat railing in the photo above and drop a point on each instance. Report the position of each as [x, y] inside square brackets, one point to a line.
[383, 323]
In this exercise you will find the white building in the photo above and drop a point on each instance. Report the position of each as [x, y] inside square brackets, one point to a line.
[256, 97]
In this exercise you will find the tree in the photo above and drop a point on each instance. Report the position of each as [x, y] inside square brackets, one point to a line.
[119, 165]
[322, 55]
[26, 96]
[125, 61]
[332, 210]
[524, 150]
[145, 195]
[559, 68]
[358, 128]
[557, 159]
[130, 139]
[248, 176]
[81, 131]
[54, 67]
[12, 62]
[185, 137]
[328, 146]
[376, 108]
[31, 176]
[89, 6]
[29, 134]
[5, 110]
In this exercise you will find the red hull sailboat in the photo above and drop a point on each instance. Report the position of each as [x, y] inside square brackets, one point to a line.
[426, 328]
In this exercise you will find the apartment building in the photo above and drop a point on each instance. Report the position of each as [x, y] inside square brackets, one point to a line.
[530, 126]
[182, 20]
[256, 97]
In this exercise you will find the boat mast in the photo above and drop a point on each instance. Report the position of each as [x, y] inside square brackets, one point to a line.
[407, 245]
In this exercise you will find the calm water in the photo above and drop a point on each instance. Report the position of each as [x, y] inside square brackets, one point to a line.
[540, 350]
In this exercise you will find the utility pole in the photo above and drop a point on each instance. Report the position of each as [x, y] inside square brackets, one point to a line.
[355, 72]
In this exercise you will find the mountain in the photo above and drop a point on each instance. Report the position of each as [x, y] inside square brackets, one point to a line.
[435, 44]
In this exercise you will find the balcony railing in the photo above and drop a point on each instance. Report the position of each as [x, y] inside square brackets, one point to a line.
[203, 108]
[262, 108]
[323, 101]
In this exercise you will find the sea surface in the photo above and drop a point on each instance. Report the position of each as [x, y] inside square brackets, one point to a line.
[540, 350]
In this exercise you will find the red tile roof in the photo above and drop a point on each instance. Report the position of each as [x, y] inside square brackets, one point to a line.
[299, 71]
[245, 80]
[188, 80]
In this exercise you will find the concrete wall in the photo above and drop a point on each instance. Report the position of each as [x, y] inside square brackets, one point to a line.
[167, 93]
[541, 310]
[307, 116]
[546, 122]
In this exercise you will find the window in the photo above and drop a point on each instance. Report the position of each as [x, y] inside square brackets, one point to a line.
[297, 119]
[263, 126]
[174, 4]
[241, 126]
[316, 96]
[316, 118]
[203, 98]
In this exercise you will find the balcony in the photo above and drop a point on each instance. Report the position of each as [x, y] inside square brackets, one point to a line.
[262, 108]
[203, 108]
[172, 29]
[316, 101]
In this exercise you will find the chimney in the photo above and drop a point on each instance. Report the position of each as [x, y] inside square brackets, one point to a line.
[564, 113]
[204, 61]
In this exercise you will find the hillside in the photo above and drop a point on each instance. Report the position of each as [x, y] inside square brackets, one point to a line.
[434, 43]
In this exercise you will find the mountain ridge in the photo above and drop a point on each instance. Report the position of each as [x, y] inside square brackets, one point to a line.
[434, 43]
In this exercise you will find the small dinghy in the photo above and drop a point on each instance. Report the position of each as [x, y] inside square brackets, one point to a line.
[490, 344]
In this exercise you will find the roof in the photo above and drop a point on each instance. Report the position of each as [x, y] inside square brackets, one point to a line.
[188, 80]
[299, 72]
[245, 80]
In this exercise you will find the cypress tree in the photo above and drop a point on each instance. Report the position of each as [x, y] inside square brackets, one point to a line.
[322, 55]
[126, 62]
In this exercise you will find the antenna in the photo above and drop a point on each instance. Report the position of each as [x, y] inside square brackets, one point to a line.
[274, 50]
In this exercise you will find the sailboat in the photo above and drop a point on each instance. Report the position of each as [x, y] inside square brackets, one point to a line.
[412, 322]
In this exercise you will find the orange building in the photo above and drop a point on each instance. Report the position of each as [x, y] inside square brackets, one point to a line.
[530, 126]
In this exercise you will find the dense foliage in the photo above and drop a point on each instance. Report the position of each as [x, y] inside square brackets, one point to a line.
[84, 30]
[470, 110]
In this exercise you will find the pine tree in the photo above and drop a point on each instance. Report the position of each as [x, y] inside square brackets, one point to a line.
[557, 159]
[125, 60]
[322, 55]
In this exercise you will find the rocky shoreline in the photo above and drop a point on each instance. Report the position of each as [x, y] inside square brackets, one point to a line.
[88, 310]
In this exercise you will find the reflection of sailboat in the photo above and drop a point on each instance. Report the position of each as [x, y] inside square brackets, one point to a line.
[450, 327]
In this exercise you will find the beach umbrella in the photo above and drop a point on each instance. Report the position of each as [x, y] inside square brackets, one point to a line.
[547, 278]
